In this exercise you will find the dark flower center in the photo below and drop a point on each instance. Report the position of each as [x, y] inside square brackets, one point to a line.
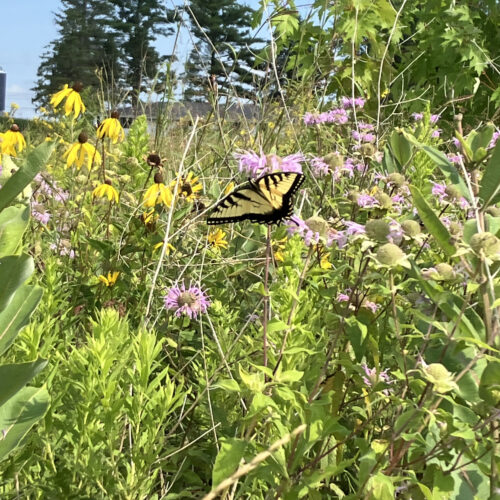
[187, 188]
[83, 138]
[77, 86]
[115, 114]
[154, 160]
[14, 127]
[108, 182]
[158, 178]
[187, 299]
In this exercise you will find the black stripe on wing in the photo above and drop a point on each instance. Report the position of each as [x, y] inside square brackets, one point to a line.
[259, 209]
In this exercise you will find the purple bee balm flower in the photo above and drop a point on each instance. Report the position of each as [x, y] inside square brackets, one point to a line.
[372, 377]
[311, 118]
[190, 301]
[353, 228]
[434, 119]
[295, 225]
[463, 204]
[370, 305]
[337, 115]
[365, 126]
[417, 116]
[455, 158]
[42, 217]
[290, 163]
[342, 297]
[494, 140]
[366, 201]
[456, 142]
[348, 102]
[252, 163]
[61, 195]
[436, 133]
[438, 190]
[319, 167]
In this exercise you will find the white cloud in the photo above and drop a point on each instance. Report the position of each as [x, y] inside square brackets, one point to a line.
[16, 89]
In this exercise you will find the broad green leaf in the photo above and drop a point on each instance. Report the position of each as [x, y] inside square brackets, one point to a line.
[17, 314]
[229, 385]
[228, 459]
[401, 147]
[388, 161]
[489, 386]
[380, 487]
[276, 325]
[13, 223]
[490, 183]
[14, 271]
[356, 333]
[19, 414]
[481, 139]
[13, 377]
[34, 162]
[432, 222]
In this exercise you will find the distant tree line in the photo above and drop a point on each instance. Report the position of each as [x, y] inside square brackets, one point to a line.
[112, 41]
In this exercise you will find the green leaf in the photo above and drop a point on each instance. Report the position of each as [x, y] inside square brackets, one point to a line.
[13, 223]
[388, 161]
[490, 184]
[228, 459]
[19, 414]
[14, 377]
[401, 147]
[482, 139]
[489, 386]
[33, 164]
[14, 271]
[432, 222]
[17, 314]
[229, 385]
[356, 333]
[276, 325]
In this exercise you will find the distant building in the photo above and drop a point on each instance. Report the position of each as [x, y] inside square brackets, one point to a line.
[176, 111]
[3, 89]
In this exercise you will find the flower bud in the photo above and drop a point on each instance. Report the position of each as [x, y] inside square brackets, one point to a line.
[318, 225]
[453, 192]
[488, 243]
[410, 227]
[353, 195]
[390, 255]
[377, 229]
[440, 377]
[397, 179]
[334, 159]
[154, 160]
[384, 200]
[367, 149]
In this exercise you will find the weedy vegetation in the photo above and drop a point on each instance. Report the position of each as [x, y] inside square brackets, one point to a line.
[350, 351]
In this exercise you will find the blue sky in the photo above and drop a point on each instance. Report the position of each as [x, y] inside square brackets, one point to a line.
[27, 26]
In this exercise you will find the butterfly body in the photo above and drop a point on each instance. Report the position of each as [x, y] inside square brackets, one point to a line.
[266, 200]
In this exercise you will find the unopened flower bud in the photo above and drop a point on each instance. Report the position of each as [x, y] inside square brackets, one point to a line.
[318, 225]
[377, 229]
[410, 227]
[390, 255]
[397, 179]
[453, 192]
[384, 200]
[488, 243]
[334, 159]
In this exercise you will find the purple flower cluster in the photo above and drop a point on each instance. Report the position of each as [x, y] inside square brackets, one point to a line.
[366, 201]
[439, 190]
[336, 115]
[190, 301]
[434, 119]
[319, 167]
[64, 250]
[372, 377]
[41, 216]
[363, 137]
[494, 139]
[349, 102]
[256, 165]
[455, 158]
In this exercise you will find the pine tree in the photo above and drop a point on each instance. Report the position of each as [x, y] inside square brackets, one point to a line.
[222, 48]
[85, 44]
[138, 24]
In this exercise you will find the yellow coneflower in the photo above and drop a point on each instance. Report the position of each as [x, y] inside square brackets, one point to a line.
[158, 193]
[323, 254]
[12, 140]
[188, 186]
[80, 150]
[217, 239]
[112, 128]
[106, 190]
[110, 279]
[73, 99]
[170, 248]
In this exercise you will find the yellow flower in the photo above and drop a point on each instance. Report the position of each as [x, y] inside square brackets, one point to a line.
[73, 100]
[170, 248]
[149, 217]
[43, 110]
[110, 280]
[12, 140]
[111, 127]
[106, 190]
[14, 106]
[188, 187]
[278, 247]
[229, 188]
[79, 150]
[217, 239]
[323, 255]
[158, 193]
